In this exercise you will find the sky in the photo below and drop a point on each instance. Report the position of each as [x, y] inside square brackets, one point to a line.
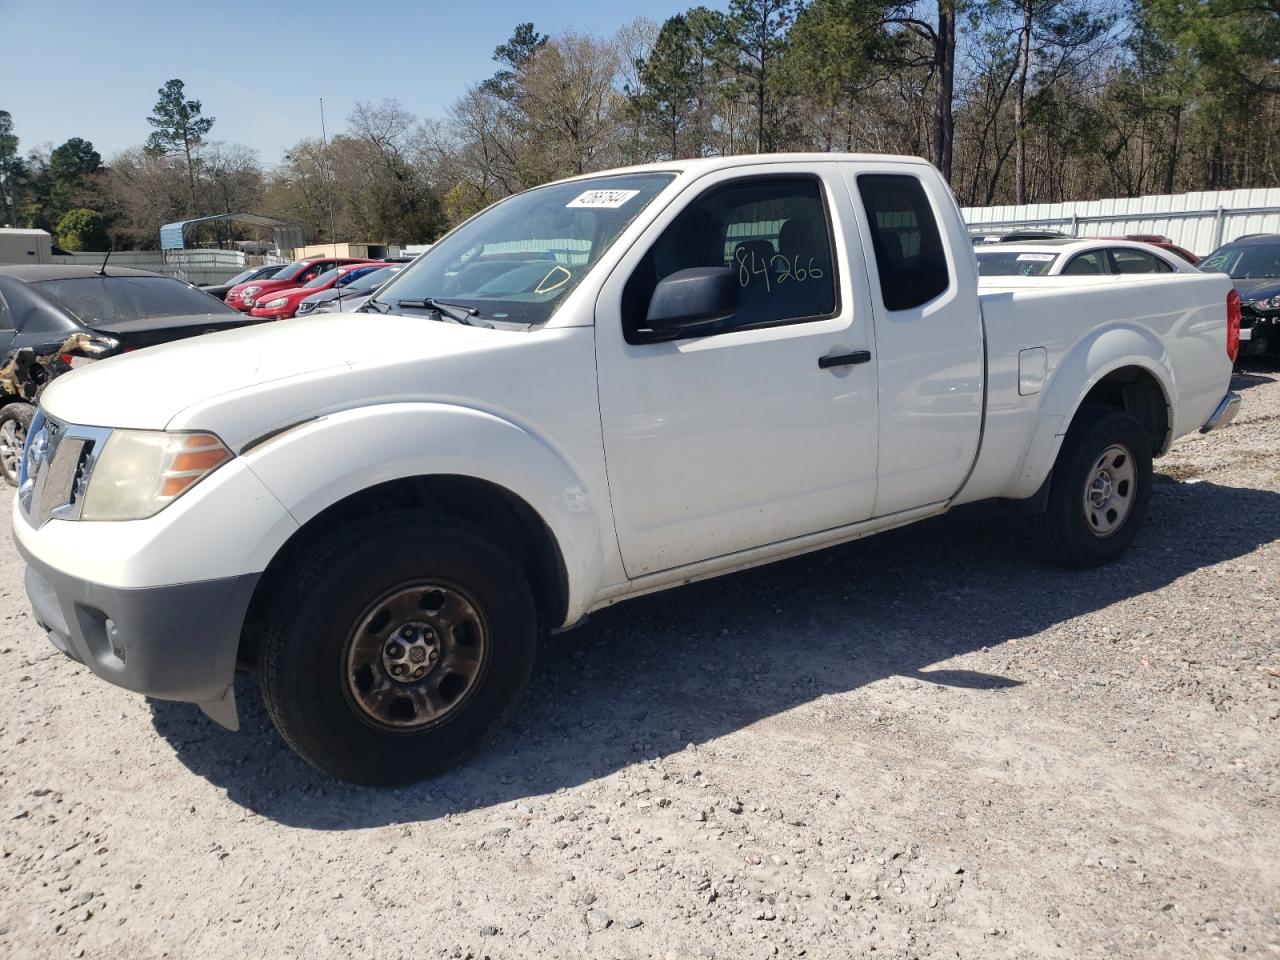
[91, 69]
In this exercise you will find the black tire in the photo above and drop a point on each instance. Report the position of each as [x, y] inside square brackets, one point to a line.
[19, 415]
[310, 687]
[1068, 533]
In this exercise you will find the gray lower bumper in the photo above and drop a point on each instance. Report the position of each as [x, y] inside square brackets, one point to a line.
[174, 643]
[1224, 414]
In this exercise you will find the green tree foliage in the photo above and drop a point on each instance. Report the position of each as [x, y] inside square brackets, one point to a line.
[11, 169]
[1235, 41]
[673, 88]
[8, 141]
[1042, 100]
[179, 129]
[81, 229]
[73, 169]
[371, 183]
[512, 57]
[751, 41]
[834, 56]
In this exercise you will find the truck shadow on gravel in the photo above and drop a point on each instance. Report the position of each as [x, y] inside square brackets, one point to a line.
[648, 677]
[1253, 376]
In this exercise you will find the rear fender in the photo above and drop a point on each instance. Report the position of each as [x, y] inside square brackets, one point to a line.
[1080, 370]
[318, 463]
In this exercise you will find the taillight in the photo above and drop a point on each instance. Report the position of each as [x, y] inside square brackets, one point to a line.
[1233, 325]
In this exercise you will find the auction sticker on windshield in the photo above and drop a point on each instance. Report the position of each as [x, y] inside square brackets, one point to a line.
[1041, 257]
[607, 199]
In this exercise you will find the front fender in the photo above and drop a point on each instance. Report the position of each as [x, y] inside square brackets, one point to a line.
[318, 463]
[1080, 370]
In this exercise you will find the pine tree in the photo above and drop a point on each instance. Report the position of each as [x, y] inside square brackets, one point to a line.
[180, 128]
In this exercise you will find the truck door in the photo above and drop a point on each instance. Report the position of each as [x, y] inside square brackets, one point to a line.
[764, 427]
[928, 331]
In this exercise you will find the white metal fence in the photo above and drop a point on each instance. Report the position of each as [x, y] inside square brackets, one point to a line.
[193, 266]
[1198, 221]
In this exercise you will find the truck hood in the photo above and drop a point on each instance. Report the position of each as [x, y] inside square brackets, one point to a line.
[145, 390]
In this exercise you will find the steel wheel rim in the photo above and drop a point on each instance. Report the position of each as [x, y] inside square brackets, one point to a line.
[1109, 490]
[415, 656]
[12, 440]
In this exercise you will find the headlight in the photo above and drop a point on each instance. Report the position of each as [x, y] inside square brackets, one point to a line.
[277, 302]
[140, 472]
[247, 293]
[1271, 303]
[306, 307]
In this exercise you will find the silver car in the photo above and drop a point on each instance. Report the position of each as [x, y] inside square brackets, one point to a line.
[346, 298]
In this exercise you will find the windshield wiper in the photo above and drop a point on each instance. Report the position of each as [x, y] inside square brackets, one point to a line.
[458, 312]
[376, 304]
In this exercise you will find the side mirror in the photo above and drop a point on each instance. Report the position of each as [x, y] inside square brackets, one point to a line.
[691, 298]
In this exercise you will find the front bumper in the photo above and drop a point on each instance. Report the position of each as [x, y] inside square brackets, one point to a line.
[176, 642]
[1224, 414]
[1259, 333]
[272, 313]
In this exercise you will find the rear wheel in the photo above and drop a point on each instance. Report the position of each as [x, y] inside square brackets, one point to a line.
[15, 421]
[1099, 491]
[397, 647]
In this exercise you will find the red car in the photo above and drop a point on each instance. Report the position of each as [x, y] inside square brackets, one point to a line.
[282, 304]
[1164, 243]
[243, 295]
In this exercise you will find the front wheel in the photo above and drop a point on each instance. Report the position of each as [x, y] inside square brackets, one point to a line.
[15, 421]
[397, 647]
[1099, 490]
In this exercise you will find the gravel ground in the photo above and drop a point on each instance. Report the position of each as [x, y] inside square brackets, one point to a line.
[921, 745]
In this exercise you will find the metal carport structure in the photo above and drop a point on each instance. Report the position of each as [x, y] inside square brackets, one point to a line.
[287, 234]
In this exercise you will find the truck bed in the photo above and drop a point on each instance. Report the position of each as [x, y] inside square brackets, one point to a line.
[1087, 327]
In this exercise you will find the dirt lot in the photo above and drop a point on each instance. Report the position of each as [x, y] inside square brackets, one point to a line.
[922, 745]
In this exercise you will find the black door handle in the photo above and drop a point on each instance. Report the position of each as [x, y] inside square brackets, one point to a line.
[844, 359]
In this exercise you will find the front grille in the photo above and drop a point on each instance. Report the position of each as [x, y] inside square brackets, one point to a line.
[56, 465]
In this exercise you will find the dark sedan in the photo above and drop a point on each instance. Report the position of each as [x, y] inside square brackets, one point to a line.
[54, 317]
[219, 290]
[1253, 264]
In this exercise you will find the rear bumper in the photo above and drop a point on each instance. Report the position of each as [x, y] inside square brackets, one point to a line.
[1224, 414]
[176, 642]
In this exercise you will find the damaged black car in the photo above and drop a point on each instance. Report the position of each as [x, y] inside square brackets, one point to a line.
[54, 317]
[1253, 264]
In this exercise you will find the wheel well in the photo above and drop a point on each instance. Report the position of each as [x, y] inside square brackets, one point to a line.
[1139, 393]
[512, 523]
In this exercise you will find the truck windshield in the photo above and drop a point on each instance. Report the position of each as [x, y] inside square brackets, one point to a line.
[1014, 263]
[517, 260]
[1245, 262]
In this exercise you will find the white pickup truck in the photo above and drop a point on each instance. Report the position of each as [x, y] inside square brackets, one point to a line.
[593, 390]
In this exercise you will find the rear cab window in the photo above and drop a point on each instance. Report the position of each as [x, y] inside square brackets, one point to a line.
[910, 259]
